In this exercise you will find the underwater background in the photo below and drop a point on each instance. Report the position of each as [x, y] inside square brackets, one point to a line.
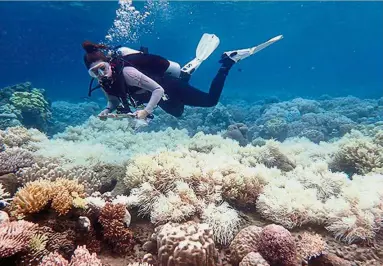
[331, 47]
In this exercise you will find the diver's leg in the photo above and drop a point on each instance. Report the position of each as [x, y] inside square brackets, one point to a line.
[194, 97]
[172, 107]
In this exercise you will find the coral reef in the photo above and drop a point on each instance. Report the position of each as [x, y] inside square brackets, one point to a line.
[227, 195]
[22, 104]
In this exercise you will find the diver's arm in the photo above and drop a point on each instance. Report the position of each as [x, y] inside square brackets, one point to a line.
[135, 78]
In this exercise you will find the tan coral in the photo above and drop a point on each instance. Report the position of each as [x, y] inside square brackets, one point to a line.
[65, 191]
[254, 259]
[34, 196]
[62, 202]
[72, 186]
[309, 246]
[245, 241]
[189, 243]
[31, 198]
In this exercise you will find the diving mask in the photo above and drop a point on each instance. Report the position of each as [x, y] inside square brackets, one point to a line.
[102, 69]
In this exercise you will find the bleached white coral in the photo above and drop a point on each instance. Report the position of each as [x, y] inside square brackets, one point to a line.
[304, 152]
[288, 203]
[144, 197]
[358, 214]
[319, 177]
[171, 208]
[95, 202]
[3, 193]
[357, 154]
[223, 220]
[22, 137]
[207, 143]
[243, 186]
[84, 153]
[122, 199]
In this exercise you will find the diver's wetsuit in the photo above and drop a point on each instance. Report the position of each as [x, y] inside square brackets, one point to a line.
[179, 92]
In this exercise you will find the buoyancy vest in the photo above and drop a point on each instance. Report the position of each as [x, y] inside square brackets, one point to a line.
[153, 66]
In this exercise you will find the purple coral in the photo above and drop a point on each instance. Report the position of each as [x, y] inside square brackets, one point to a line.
[277, 246]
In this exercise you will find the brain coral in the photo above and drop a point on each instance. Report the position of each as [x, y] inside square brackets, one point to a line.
[253, 259]
[277, 245]
[245, 241]
[189, 243]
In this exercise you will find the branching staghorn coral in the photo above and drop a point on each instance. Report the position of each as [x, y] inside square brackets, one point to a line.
[12, 159]
[110, 141]
[100, 176]
[34, 196]
[112, 218]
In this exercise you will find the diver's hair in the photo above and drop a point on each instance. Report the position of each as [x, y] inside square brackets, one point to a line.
[90, 47]
[93, 53]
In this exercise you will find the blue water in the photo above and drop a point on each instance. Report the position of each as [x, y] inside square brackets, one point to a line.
[330, 48]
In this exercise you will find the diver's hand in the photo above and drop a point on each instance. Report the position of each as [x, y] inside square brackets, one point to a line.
[141, 114]
[103, 114]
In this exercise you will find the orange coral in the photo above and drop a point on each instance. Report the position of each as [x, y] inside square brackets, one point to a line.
[112, 219]
[34, 196]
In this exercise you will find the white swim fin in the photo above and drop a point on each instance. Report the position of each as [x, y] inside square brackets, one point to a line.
[241, 54]
[206, 46]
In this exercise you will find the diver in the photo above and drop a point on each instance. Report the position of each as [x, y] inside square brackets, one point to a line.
[131, 78]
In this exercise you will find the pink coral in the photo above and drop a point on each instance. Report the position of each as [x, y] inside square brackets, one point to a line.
[245, 241]
[277, 245]
[53, 259]
[15, 237]
[82, 257]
